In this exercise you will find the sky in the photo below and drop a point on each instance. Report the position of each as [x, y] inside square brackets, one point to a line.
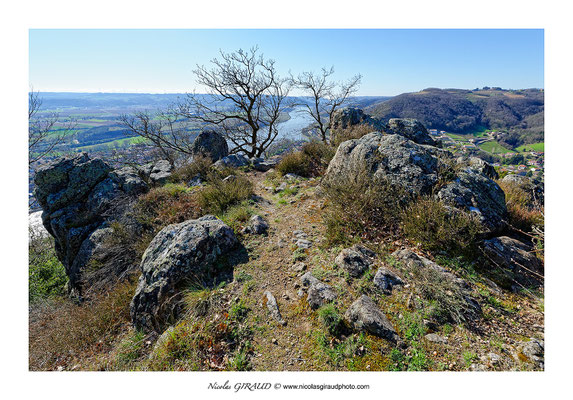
[390, 61]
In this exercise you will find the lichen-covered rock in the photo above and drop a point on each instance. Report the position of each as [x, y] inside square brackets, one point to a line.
[476, 193]
[386, 158]
[160, 172]
[80, 196]
[479, 165]
[410, 129]
[517, 257]
[319, 293]
[534, 188]
[534, 351]
[232, 161]
[385, 280]
[263, 165]
[349, 116]
[178, 252]
[257, 225]
[210, 144]
[355, 260]
[364, 315]
[273, 307]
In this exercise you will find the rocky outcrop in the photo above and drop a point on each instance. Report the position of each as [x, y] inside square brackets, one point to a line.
[410, 129]
[349, 116]
[355, 260]
[385, 280]
[364, 315]
[179, 252]
[79, 197]
[517, 257]
[210, 144]
[478, 165]
[534, 351]
[476, 193]
[533, 188]
[260, 164]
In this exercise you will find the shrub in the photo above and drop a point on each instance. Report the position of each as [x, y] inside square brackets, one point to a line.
[364, 209]
[237, 215]
[46, 275]
[295, 163]
[200, 166]
[437, 228]
[60, 331]
[220, 194]
[330, 319]
[522, 214]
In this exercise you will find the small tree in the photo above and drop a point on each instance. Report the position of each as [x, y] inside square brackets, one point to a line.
[42, 137]
[327, 96]
[245, 98]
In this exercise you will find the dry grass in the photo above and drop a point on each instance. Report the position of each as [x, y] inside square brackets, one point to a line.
[353, 132]
[62, 332]
[522, 214]
[200, 166]
[312, 160]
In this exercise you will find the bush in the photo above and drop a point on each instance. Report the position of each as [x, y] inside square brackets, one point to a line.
[330, 319]
[46, 275]
[312, 160]
[437, 228]
[220, 194]
[522, 214]
[364, 209]
[295, 163]
[200, 166]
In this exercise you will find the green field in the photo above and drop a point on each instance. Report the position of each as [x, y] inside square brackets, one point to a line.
[113, 144]
[494, 148]
[459, 138]
[539, 147]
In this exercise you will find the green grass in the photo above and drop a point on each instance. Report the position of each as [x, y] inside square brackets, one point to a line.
[494, 148]
[539, 147]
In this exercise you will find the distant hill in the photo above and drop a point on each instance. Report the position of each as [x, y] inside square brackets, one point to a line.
[517, 112]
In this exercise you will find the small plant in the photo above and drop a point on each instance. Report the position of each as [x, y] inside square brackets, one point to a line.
[220, 194]
[46, 275]
[131, 348]
[242, 276]
[469, 357]
[239, 311]
[330, 319]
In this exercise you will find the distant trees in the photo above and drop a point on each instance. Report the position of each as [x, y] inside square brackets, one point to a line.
[327, 96]
[43, 137]
[245, 98]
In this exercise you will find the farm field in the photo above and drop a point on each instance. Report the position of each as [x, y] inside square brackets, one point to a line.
[539, 147]
[494, 148]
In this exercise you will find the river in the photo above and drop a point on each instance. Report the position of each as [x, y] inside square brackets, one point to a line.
[292, 129]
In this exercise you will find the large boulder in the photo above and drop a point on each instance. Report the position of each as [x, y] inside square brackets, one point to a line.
[232, 161]
[479, 165]
[210, 144]
[364, 315]
[478, 194]
[178, 253]
[410, 129]
[80, 196]
[385, 280]
[390, 158]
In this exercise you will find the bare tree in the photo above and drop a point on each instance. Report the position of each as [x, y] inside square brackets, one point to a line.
[168, 135]
[245, 98]
[327, 96]
[42, 138]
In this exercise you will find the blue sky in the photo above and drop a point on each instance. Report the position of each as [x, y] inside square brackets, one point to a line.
[391, 61]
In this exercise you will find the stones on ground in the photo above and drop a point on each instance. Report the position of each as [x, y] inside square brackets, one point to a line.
[517, 257]
[298, 267]
[79, 196]
[271, 304]
[262, 165]
[292, 177]
[365, 315]
[281, 187]
[319, 293]
[161, 170]
[178, 252]
[435, 338]
[355, 260]
[534, 351]
[257, 225]
[303, 244]
[299, 234]
[385, 280]
[210, 144]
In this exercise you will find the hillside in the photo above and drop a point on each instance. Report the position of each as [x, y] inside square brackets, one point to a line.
[518, 112]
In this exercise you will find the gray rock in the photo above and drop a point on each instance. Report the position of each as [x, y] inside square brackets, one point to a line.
[210, 144]
[232, 161]
[319, 293]
[281, 187]
[517, 257]
[292, 177]
[364, 315]
[303, 244]
[263, 165]
[299, 267]
[410, 129]
[35, 227]
[80, 196]
[349, 116]
[479, 165]
[435, 338]
[161, 170]
[178, 252]
[299, 234]
[385, 280]
[476, 193]
[355, 260]
[534, 350]
[257, 225]
[308, 279]
[273, 307]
